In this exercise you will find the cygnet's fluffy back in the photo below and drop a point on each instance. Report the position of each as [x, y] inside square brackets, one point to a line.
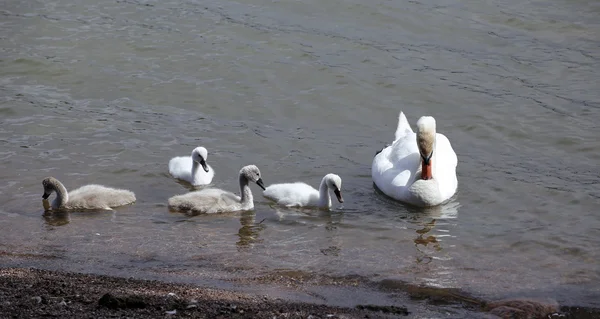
[214, 200]
[86, 197]
[95, 196]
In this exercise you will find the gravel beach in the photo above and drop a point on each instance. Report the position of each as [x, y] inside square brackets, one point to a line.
[34, 293]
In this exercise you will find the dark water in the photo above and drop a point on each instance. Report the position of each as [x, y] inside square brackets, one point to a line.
[108, 91]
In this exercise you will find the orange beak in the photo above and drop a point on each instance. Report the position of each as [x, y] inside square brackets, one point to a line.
[426, 172]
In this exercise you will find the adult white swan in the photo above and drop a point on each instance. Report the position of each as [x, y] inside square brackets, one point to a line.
[86, 197]
[303, 195]
[419, 169]
[187, 168]
[214, 200]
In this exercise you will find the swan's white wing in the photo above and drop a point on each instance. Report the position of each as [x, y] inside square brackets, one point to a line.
[403, 147]
[395, 166]
[403, 128]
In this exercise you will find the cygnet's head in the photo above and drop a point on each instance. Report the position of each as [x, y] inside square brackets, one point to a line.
[199, 155]
[335, 182]
[426, 143]
[49, 184]
[252, 173]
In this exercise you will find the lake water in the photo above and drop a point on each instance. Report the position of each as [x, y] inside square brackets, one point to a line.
[108, 91]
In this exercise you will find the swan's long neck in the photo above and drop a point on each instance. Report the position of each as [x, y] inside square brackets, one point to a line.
[324, 197]
[427, 171]
[195, 167]
[247, 199]
[433, 161]
[62, 196]
[426, 191]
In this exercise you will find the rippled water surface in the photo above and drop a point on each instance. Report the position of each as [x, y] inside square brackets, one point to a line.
[108, 91]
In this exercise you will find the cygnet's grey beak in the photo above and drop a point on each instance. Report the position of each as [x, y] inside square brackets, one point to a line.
[338, 194]
[45, 196]
[204, 166]
[259, 182]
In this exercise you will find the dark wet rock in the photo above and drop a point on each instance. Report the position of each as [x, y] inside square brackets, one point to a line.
[569, 312]
[522, 308]
[130, 302]
[386, 309]
[509, 312]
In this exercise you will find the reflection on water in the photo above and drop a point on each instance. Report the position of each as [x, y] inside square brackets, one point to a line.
[54, 218]
[425, 241]
[57, 218]
[426, 238]
[333, 220]
[46, 205]
[250, 230]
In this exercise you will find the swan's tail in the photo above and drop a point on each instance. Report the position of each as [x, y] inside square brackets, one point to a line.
[403, 127]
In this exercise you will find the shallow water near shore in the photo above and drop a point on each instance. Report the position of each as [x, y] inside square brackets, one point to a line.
[108, 91]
